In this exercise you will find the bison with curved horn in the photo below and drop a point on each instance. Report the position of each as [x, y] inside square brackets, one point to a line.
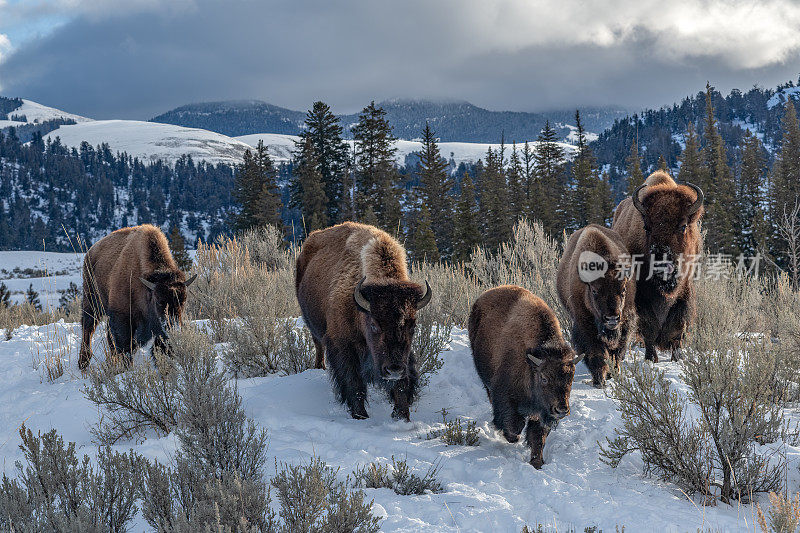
[357, 299]
[660, 225]
[130, 276]
[524, 362]
[595, 289]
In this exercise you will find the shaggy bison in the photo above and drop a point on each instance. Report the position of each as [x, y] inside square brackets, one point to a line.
[660, 225]
[130, 276]
[524, 363]
[356, 298]
[600, 302]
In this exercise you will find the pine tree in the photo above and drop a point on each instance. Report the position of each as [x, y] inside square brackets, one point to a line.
[423, 244]
[32, 297]
[528, 175]
[177, 245]
[376, 175]
[751, 234]
[467, 232]
[5, 295]
[496, 227]
[313, 203]
[72, 293]
[551, 182]
[692, 169]
[662, 163]
[785, 186]
[322, 128]
[586, 192]
[435, 187]
[517, 198]
[601, 204]
[635, 175]
[256, 191]
[720, 190]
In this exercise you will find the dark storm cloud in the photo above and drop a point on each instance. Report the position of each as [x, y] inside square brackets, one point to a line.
[508, 54]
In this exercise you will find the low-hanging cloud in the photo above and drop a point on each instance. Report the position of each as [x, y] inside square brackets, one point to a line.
[518, 54]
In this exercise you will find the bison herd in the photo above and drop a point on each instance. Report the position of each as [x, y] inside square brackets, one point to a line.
[360, 305]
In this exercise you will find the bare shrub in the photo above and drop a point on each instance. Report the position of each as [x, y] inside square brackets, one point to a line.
[27, 314]
[312, 499]
[399, 477]
[58, 492]
[709, 439]
[783, 515]
[456, 432]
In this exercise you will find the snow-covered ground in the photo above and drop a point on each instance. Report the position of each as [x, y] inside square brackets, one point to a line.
[35, 113]
[490, 487]
[780, 97]
[49, 272]
[280, 148]
[150, 140]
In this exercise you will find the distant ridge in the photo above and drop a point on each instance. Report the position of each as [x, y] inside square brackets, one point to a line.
[453, 120]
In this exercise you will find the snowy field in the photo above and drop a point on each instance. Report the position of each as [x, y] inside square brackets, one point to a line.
[49, 272]
[490, 487]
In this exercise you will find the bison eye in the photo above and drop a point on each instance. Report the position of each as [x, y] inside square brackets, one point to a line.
[374, 327]
[544, 380]
[682, 229]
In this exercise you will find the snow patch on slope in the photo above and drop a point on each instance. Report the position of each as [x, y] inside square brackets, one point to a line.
[35, 113]
[781, 97]
[150, 141]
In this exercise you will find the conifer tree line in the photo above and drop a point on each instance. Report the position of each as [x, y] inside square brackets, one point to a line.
[442, 214]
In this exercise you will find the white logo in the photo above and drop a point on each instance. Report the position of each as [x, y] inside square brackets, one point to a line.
[591, 266]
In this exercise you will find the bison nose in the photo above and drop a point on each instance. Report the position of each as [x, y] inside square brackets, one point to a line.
[393, 371]
[560, 412]
[611, 322]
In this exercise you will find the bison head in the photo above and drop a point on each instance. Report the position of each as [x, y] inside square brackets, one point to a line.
[166, 296]
[670, 216]
[552, 369]
[389, 312]
[606, 300]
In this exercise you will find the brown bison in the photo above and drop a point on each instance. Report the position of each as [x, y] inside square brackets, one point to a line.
[600, 301]
[524, 363]
[357, 299]
[660, 227]
[131, 277]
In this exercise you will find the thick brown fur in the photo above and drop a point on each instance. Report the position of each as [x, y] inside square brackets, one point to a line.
[361, 347]
[505, 325]
[665, 307]
[603, 311]
[111, 286]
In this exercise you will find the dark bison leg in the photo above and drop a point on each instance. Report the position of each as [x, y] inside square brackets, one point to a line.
[585, 342]
[650, 353]
[617, 355]
[506, 418]
[535, 437]
[120, 340]
[674, 329]
[89, 320]
[319, 362]
[403, 392]
[345, 370]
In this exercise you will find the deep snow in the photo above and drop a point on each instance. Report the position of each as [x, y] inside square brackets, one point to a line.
[59, 270]
[490, 487]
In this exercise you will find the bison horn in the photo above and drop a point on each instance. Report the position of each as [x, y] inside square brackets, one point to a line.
[635, 197]
[189, 281]
[578, 359]
[426, 298]
[361, 302]
[697, 203]
[535, 360]
[149, 284]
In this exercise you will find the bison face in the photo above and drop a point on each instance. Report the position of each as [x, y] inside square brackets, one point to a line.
[388, 317]
[552, 370]
[166, 297]
[606, 300]
[670, 216]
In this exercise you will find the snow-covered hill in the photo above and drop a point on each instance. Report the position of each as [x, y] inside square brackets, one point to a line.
[34, 113]
[490, 487]
[280, 147]
[150, 141]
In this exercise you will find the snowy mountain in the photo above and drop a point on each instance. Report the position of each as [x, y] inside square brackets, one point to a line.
[281, 147]
[150, 141]
[453, 121]
[32, 113]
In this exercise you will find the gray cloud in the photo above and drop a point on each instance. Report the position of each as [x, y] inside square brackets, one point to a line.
[508, 54]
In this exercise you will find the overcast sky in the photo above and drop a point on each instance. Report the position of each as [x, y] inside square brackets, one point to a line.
[138, 58]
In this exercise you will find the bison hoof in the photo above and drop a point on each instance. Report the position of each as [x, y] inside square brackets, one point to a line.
[599, 384]
[510, 437]
[402, 414]
[537, 462]
[359, 413]
[677, 355]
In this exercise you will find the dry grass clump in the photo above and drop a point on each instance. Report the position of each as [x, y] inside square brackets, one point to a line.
[26, 314]
[456, 432]
[783, 515]
[399, 477]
